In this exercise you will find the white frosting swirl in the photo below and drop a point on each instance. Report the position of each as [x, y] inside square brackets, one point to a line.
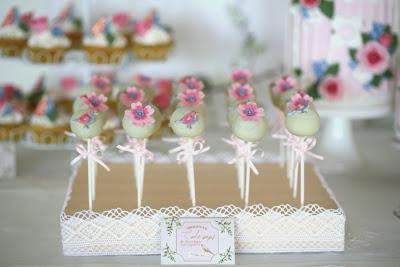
[101, 40]
[47, 40]
[13, 118]
[13, 31]
[44, 121]
[68, 25]
[155, 35]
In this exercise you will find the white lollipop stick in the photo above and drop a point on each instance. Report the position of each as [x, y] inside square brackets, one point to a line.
[89, 162]
[302, 179]
[246, 202]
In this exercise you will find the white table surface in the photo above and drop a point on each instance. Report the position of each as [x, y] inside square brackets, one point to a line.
[30, 207]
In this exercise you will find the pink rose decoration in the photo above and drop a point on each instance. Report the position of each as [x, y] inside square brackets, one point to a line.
[140, 115]
[374, 57]
[241, 76]
[69, 83]
[191, 83]
[102, 84]
[94, 102]
[241, 92]
[300, 102]
[386, 40]
[250, 112]
[163, 95]
[39, 25]
[131, 95]
[284, 84]
[121, 19]
[331, 88]
[310, 3]
[142, 26]
[191, 97]
[142, 81]
[27, 18]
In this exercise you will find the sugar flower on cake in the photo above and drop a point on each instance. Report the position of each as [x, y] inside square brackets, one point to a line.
[88, 118]
[122, 21]
[191, 97]
[47, 108]
[141, 114]
[191, 83]
[68, 19]
[250, 111]
[163, 96]
[284, 84]
[15, 24]
[95, 102]
[101, 84]
[69, 84]
[131, 95]
[241, 92]
[143, 81]
[47, 36]
[331, 88]
[312, 8]
[299, 103]
[9, 92]
[104, 34]
[373, 57]
[190, 118]
[149, 30]
[241, 76]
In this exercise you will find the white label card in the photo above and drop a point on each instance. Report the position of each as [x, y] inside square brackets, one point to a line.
[193, 241]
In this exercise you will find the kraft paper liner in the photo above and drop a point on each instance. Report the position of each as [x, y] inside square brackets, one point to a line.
[12, 132]
[104, 55]
[46, 55]
[75, 38]
[45, 135]
[151, 52]
[165, 185]
[12, 47]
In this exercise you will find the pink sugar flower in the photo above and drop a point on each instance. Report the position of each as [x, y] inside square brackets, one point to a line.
[141, 115]
[142, 81]
[87, 118]
[142, 26]
[10, 17]
[101, 83]
[163, 96]
[95, 102]
[241, 76]
[386, 40]
[299, 103]
[250, 111]
[99, 26]
[69, 83]
[191, 97]
[284, 84]
[39, 25]
[131, 95]
[374, 57]
[191, 83]
[121, 19]
[331, 88]
[310, 3]
[241, 92]
[27, 18]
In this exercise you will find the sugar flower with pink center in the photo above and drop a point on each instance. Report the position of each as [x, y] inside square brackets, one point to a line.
[140, 114]
[250, 111]
[241, 92]
[310, 3]
[284, 84]
[131, 95]
[299, 103]
[95, 102]
[190, 118]
[142, 81]
[102, 84]
[373, 57]
[191, 97]
[191, 83]
[241, 76]
[331, 88]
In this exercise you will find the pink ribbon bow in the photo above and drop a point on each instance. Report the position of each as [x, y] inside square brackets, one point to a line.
[138, 147]
[187, 147]
[304, 147]
[96, 154]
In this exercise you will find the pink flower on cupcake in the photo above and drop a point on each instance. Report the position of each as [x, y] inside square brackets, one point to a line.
[241, 76]
[331, 88]
[69, 83]
[140, 114]
[142, 81]
[373, 57]
[241, 92]
[121, 20]
[299, 103]
[142, 26]
[191, 97]
[102, 84]
[191, 83]
[131, 95]
[39, 25]
[284, 84]
[310, 3]
[163, 96]
[250, 111]
[95, 102]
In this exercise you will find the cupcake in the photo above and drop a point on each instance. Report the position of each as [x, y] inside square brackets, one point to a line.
[152, 41]
[71, 24]
[36, 94]
[14, 32]
[104, 45]
[12, 113]
[47, 123]
[47, 44]
[123, 23]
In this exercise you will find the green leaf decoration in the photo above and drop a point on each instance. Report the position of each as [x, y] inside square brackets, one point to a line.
[23, 26]
[169, 253]
[297, 72]
[332, 70]
[327, 8]
[52, 115]
[365, 38]
[353, 53]
[388, 74]
[78, 23]
[295, 2]
[225, 256]
[110, 39]
[394, 44]
[313, 90]
[387, 29]
[376, 80]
